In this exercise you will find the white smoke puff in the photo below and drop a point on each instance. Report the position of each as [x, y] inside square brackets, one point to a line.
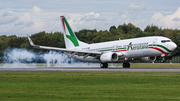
[19, 55]
[57, 58]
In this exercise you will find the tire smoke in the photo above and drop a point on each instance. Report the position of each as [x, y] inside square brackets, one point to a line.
[23, 56]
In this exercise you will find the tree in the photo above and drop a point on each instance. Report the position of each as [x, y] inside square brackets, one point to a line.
[113, 29]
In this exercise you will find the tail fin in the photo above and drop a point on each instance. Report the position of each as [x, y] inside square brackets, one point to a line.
[70, 38]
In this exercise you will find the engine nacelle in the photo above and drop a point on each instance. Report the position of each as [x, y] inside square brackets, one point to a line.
[109, 57]
[147, 59]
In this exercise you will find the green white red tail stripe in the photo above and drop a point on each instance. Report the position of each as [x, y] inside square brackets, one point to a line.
[71, 35]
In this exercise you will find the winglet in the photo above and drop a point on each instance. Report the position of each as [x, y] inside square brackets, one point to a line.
[30, 41]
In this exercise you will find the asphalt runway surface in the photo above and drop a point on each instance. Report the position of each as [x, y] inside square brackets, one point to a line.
[93, 69]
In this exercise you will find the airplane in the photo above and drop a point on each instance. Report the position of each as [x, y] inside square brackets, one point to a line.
[120, 51]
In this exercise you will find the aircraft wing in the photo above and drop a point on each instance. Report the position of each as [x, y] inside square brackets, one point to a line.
[71, 51]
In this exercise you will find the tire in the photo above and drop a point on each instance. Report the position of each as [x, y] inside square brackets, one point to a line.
[126, 65]
[104, 65]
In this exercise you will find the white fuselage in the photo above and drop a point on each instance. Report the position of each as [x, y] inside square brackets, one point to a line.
[131, 48]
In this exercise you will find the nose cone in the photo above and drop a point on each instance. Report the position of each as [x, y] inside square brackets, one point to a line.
[173, 46]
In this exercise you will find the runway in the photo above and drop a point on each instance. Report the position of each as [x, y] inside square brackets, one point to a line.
[92, 69]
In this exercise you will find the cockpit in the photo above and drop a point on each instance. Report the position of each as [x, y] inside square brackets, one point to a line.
[164, 41]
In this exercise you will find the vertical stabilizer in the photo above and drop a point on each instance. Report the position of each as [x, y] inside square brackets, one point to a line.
[70, 38]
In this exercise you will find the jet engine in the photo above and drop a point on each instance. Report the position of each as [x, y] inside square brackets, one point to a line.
[109, 57]
[148, 59]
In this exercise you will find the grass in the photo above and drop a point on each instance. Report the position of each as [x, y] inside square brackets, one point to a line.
[88, 86]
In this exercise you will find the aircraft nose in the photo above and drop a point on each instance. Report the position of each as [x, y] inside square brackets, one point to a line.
[173, 46]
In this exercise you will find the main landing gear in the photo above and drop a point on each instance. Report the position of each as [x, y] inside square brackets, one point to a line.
[104, 65]
[126, 64]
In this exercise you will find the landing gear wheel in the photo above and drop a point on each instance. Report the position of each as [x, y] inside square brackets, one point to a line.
[104, 65]
[126, 65]
[163, 60]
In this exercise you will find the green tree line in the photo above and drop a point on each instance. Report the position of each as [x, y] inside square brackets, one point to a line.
[56, 39]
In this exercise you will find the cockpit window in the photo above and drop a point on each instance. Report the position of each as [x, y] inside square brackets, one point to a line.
[164, 41]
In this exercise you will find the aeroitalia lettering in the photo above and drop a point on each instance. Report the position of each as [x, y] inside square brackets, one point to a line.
[140, 47]
[137, 46]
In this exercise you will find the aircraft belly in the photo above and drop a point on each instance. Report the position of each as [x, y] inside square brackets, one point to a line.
[139, 53]
[87, 59]
[91, 59]
[134, 53]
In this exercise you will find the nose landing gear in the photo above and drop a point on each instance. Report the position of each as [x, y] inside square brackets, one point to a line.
[163, 60]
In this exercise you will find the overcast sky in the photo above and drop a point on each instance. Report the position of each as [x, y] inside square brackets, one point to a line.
[22, 17]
